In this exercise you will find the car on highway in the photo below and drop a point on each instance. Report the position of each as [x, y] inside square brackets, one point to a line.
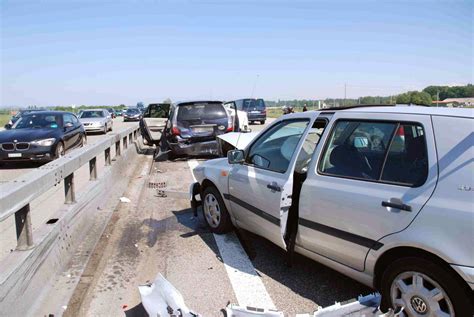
[380, 194]
[132, 114]
[96, 120]
[112, 112]
[255, 109]
[19, 114]
[41, 136]
[118, 113]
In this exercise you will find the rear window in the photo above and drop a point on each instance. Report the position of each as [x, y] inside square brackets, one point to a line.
[92, 114]
[253, 104]
[132, 111]
[201, 111]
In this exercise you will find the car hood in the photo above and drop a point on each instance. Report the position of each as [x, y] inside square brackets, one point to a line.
[238, 140]
[27, 135]
[215, 164]
[91, 120]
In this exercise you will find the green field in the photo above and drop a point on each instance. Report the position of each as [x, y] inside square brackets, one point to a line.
[4, 118]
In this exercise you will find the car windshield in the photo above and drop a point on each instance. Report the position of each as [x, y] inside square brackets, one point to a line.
[38, 121]
[133, 111]
[253, 104]
[204, 111]
[92, 114]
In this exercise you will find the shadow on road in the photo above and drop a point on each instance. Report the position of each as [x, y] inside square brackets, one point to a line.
[20, 165]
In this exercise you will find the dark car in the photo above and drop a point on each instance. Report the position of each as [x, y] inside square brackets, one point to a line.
[255, 108]
[132, 114]
[193, 126]
[41, 136]
[21, 113]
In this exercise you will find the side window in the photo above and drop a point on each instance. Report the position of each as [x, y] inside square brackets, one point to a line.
[275, 148]
[309, 146]
[68, 119]
[407, 159]
[357, 149]
[75, 121]
[158, 111]
[389, 152]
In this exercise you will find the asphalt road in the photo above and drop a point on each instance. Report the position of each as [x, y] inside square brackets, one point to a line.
[154, 234]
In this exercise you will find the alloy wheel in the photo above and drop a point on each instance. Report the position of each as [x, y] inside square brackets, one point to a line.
[420, 296]
[212, 210]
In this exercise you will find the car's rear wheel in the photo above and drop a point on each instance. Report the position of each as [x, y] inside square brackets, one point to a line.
[83, 140]
[105, 129]
[60, 151]
[215, 212]
[262, 121]
[424, 288]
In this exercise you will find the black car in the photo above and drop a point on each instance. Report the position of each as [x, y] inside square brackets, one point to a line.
[132, 114]
[186, 128]
[41, 136]
[255, 108]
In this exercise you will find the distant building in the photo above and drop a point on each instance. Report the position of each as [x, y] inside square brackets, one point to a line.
[455, 102]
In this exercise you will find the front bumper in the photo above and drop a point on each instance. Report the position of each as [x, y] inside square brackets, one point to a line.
[36, 154]
[94, 128]
[131, 118]
[195, 190]
[195, 149]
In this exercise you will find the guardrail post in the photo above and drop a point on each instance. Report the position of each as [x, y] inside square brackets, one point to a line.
[117, 148]
[24, 230]
[93, 169]
[70, 196]
[108, 159]
[130, 138]
[125, 143]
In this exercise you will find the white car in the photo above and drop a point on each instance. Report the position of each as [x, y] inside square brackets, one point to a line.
[242, 118]
[381, 194]
[96, 120]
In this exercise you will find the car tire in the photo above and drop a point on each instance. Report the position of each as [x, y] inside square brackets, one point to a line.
[83, 140]
[60, 150]
[215, 212]
[416, 295]
[105, 129]
[262, 121]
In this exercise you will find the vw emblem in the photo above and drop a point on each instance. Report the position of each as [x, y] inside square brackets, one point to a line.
[418, 305]
[221, 127]
[15, 141]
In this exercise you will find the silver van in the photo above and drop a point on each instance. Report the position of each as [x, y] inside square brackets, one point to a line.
[383, 195]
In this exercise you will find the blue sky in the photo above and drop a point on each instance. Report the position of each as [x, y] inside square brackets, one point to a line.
[112, 52]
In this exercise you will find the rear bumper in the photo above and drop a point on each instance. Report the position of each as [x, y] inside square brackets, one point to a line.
[256, 117]
[195, 149]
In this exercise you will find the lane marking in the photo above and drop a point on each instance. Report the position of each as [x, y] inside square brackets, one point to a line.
[247, 285]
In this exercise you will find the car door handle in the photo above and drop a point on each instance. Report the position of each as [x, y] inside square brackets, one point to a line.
[400, 206]
[274, 187]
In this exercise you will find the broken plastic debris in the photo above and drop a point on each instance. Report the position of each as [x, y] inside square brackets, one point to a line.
[136, 245]
[125, 200]
[160, 295]
[124, 306]
[233, 310]
[64, 307]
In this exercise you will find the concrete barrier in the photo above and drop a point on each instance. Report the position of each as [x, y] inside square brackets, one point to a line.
[41, 254]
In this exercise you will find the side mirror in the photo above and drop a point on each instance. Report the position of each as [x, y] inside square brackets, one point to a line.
[235, 157]
[8, 126]
[68, 125]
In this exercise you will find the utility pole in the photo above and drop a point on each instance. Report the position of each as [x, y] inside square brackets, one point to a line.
[437, 98]
[345, 93]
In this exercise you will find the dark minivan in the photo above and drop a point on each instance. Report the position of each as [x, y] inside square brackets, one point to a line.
[255, 108]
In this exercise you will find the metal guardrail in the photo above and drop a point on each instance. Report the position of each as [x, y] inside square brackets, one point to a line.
[16, 196]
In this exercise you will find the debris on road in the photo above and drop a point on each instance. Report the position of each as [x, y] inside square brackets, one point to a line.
[160, 298]
[125, 200]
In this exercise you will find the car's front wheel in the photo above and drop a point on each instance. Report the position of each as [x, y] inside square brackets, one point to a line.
[60, 151]
[215, 212]
[262, 121]
[424, 288]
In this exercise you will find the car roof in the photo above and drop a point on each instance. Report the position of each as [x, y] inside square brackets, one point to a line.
[195, 101]
[434, 111]
[46, 112]
[94, 109]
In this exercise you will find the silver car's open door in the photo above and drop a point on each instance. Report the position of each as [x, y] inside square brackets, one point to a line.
[154, 122]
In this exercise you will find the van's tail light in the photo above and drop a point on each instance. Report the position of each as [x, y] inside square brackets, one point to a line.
[401, 131]
[264, 111]
[175, 131]
[230, 124]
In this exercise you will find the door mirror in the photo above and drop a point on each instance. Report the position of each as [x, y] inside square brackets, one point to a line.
[68, 125]
[235, 157]
[8, 126]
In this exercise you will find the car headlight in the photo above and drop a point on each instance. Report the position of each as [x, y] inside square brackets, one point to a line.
[44, 142]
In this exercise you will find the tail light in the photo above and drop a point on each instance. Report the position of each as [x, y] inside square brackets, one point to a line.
[230, 124]
[401, 131]
[264, 111]
[175, 131]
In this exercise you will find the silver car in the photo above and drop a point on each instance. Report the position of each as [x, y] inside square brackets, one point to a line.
[381, 194]
[96, 120]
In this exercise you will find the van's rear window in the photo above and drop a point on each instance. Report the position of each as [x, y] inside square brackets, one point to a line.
[201, 111]
[254, 104]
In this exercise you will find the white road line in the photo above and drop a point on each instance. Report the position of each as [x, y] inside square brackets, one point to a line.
[247, 285]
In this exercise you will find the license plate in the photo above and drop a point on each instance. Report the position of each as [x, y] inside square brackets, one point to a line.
[254, 111]
[14, 154]
[203, 129]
